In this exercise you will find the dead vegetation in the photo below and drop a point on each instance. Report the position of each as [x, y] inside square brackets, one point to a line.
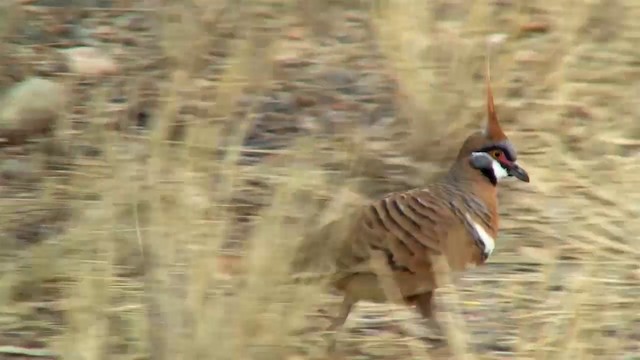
[231, 127]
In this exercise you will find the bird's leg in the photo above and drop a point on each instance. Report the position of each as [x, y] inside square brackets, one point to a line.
[426, 307]
[387, 281]
[424, 302]
[338, 321]
[384, 273]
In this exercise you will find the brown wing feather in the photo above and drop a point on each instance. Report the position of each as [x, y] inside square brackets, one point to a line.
[410, 226]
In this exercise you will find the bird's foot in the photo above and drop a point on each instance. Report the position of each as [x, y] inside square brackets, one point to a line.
[331, 339]
[427, 330]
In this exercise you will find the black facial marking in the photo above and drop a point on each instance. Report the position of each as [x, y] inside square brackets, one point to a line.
[504, 146]
[484, 163]
[488, 173]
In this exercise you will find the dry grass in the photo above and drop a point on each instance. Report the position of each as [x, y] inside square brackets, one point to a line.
[119, 256]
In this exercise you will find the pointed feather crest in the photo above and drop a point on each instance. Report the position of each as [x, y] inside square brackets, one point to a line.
[493, 130]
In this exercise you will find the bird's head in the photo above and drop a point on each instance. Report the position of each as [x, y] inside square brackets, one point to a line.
[490, 151]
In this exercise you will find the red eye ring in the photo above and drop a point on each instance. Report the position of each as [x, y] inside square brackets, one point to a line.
[496, 154]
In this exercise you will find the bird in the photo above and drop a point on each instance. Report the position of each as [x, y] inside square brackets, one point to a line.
[405, 240]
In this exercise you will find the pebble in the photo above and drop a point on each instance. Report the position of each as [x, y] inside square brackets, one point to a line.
[342, 80]
[304, 100]
[90, 61]
[31, 106]
[14, 169]
[527, 56]
[137, 23]
[104, 32]
[535, 27]
[497, 39]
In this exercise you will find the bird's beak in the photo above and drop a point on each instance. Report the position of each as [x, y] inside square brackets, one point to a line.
[515, 170]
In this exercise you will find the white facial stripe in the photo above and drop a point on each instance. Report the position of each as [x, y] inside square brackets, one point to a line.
[487, 240]
[498, 171]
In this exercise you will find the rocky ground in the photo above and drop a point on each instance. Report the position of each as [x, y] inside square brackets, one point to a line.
[83, 84]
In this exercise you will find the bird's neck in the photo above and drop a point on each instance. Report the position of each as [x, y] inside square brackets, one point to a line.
[473, 182]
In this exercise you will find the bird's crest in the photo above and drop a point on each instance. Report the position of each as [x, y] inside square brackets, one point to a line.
[493, 130]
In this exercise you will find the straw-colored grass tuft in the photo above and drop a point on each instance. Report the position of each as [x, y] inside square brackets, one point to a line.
[158, 221]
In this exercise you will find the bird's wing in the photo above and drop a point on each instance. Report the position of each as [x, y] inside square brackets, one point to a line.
[408, 227]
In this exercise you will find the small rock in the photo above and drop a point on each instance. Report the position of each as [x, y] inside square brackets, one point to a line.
[342, 80]
[291, 54]
[104, 32]
[90, 61]
[60, 30]
[527, 56]
[535, 27]
[89, 150]
[497, 39]
[296, 33]
[499, 346]
[305, 101]
[34, 10]
[283, 103]
[355, 17]
[136, 23]
[129, 40]
[30, 107]
[13, 169]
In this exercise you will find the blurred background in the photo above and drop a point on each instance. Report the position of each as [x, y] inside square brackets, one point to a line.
[159, 160]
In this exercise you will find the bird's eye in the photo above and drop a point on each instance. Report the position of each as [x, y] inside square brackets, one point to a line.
[496, 153]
